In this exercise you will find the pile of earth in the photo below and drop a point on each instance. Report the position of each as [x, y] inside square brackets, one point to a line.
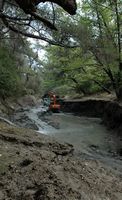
[36, 167]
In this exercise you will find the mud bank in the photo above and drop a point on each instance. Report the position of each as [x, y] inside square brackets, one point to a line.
[34, 166]
[109, 111]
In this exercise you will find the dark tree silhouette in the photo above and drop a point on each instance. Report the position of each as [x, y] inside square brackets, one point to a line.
[21, 23]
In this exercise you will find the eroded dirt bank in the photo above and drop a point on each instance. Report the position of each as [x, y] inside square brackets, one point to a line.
[36, 167]
[109, 111]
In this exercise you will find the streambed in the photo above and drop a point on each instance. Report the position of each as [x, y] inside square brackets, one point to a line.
[88, 136]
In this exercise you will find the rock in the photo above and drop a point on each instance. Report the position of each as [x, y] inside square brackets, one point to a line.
[23, 120]
[6, 121]
[28, 100]
[1, 195]
[94, 147]
[25, 162]
[31, 125]
[62, 149]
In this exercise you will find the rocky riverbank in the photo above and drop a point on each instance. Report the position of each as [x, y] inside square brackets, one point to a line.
[9, 106]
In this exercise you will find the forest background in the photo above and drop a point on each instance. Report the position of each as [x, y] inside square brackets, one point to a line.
[84, 55]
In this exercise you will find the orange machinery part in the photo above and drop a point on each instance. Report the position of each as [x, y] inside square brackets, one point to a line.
[53, 104]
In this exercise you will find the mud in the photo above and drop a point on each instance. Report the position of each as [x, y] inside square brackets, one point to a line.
[87, 135]
[109, 111]
[36, 167]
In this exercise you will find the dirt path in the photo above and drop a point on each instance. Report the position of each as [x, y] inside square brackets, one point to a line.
[35, 167]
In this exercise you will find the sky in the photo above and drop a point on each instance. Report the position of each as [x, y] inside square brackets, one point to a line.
[41, 52]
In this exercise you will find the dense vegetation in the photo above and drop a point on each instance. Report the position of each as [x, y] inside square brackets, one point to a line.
[18, 68]
[96, 64]
[86, 58]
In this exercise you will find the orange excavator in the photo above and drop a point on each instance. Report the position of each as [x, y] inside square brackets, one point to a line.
[52, 101]
[54, 104]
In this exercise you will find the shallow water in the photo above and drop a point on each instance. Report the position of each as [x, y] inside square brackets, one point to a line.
[82, 132]
[87, 135]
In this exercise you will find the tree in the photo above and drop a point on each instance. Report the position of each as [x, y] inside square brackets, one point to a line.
[9, 78]
[34, 21]
[105, 40]
[68, 67]
[19, 63]
[98, 36]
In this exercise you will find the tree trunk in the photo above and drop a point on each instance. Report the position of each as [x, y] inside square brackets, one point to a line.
[119, 93]
[1, 4]
[103, 87]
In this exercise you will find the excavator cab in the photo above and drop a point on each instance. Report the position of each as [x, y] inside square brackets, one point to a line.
[52, 101]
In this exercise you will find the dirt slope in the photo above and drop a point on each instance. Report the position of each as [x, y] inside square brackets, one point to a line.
[35, 167]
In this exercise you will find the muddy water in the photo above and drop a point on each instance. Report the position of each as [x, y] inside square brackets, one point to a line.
[80, 131]
[88, 135]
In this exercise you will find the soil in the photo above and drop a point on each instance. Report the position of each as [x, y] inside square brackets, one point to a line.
[36, 167]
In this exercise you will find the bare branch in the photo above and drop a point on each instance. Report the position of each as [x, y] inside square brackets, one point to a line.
[33, 36]
[13, 18]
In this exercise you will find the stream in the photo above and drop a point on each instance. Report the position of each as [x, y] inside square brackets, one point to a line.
[91, 140]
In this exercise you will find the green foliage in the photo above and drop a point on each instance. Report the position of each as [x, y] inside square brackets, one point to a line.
[9, 80]
[70, 67]
[96, 64]
[19, 68]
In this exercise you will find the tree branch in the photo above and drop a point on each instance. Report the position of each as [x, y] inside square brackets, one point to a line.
[102, 86]
[2, 15]
[33, 36]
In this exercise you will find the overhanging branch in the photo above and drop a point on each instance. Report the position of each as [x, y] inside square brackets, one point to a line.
[33, 35]
[2, 15]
